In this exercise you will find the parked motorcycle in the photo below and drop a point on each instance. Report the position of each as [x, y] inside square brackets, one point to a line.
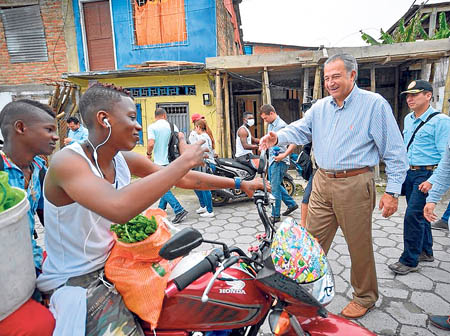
[232, 168]
[227, 292]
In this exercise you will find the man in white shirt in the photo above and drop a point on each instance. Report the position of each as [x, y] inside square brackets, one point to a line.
[245, 142]
[158, 142]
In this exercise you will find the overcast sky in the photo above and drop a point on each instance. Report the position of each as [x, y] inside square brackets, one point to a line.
[333, 23]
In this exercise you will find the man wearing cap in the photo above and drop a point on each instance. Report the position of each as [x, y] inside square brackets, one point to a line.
[425, 135]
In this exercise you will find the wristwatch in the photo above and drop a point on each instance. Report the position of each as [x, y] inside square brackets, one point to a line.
[237, 183]
[395, 195]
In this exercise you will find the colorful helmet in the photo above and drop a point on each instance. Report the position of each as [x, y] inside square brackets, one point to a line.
[297, 254]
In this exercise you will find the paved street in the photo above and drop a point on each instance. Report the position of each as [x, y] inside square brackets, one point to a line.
[405, 301]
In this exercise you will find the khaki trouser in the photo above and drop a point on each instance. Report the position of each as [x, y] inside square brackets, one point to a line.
[347, 203]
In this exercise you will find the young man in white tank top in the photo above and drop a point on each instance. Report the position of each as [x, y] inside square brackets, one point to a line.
[245, 142]
[88, 188]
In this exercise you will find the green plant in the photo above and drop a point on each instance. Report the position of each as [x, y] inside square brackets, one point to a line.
[402, 33]
[443, 31]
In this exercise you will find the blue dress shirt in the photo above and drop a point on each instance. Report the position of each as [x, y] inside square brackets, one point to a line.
[440, 178]
[352, 136]
[431, 139]
[80, 135]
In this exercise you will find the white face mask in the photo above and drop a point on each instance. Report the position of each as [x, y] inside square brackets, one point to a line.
[250, 122]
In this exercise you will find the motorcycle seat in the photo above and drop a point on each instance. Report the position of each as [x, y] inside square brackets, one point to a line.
[234, 164]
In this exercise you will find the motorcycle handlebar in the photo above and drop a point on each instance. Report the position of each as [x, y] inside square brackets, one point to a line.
[265, 220]
[208, 264]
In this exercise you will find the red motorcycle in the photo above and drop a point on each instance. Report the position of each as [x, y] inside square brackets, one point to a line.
[227, 292]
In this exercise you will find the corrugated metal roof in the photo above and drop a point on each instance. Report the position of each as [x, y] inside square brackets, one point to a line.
[24, 32]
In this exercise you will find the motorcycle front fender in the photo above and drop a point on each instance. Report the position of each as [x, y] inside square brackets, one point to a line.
[289, 177]
[332, 325]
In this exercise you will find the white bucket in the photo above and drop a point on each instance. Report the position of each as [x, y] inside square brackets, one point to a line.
[17, 273]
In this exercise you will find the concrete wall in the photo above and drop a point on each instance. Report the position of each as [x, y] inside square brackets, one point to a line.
[148, 104]
[201, 31]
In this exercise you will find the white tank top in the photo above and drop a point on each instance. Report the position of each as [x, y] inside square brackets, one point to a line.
[240, 150]
[77, 240]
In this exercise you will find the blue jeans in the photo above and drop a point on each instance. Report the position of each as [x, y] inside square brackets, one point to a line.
[308, 189]
[276, 173]
[168, 197]
[417, 236]
[205, 199]
[446, 214]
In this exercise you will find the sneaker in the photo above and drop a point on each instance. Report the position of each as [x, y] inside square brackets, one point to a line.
[440, 321]
[440, 225]
[179, 217]
[289, 210]
[201, 210]
[207, 214]
[425, 257]
[401, 269]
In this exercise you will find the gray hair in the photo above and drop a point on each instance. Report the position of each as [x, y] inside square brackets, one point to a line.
[349, 62]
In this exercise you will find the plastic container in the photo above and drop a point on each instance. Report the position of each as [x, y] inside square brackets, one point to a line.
[17, 273]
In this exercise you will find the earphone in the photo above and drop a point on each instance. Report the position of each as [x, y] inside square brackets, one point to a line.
[106, 121]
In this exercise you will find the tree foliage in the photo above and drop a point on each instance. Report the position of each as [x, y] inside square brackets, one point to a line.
[411, 32]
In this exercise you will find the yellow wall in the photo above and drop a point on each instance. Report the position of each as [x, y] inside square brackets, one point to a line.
[148, 104]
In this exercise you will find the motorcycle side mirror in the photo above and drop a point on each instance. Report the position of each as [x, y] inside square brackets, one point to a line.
[181, 244]
[262, 162]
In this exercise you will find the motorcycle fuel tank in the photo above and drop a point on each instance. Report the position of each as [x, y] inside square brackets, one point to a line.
[234, 301]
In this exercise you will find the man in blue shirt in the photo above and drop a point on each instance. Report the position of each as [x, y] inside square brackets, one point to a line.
[29, 130]
[425, 150]
[350, 130]
[77, 132]
[441, 183]
[158, 143]
[278, 165]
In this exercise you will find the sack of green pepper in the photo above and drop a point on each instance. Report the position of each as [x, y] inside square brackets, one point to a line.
[135, 267]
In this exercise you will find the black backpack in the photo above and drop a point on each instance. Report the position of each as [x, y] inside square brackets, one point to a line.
[174, 151]
[304, 161]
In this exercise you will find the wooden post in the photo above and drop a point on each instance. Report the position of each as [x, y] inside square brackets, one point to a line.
[445, 103]
[300, 95]
[219, 109]
[373, 87]
[267, 87]
[317, 80]
[396, 93]
[232, 116]
[227, 140]
[423, 71]
[432, 25]
[267, 94]
[305, 85]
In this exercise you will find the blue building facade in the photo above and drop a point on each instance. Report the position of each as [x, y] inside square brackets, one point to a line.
[200, 42]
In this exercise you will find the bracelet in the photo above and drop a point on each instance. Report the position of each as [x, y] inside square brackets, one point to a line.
[237, 183]
[149, 153]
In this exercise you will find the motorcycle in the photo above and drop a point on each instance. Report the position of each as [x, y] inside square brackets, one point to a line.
[227, 292]
[232, 168]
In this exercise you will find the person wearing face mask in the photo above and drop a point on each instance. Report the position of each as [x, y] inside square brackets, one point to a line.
[245, 142]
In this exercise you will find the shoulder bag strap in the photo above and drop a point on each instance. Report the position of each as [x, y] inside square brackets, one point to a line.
[418, 127]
